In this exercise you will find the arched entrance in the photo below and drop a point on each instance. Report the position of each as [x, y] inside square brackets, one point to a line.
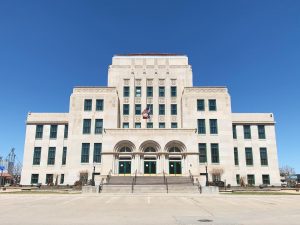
[174, 150]
[123, 158]
[149, 157]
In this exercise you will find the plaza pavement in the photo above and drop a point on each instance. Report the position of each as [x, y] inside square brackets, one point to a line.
[162, 209]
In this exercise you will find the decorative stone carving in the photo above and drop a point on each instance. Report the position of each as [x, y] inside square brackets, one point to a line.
[149, 82]
[161, 118]
[173, 81]
[126, 100]
[173, 99]
[126, 118]
[137, 100]
[205, 90]
[173, 118]
[149, 100]
[161, 82]
[138, 82]
[161, 100]
[137, 118]
[126, 82]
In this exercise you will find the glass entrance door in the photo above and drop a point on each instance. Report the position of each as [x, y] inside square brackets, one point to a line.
[174, 167]
[150, 167]
[124, 167]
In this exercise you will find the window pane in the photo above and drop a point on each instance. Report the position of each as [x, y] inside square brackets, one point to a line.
[161, 91]
[251, 179]
[263, 156]
[173, 125]
[85, 152]
[39, 131]
[99, 105]
[162, 125]
[236, 156]
[150, 106]
[200, 105]
[266, 179]
[149, 125]
[201, 126]
[161, 109]
[149, 91]
[238, 180]
[249, 156]
[125, 109]
[213, 126]
[87, 104]
[53, 131]
[97, 152]
[138, 91]
[64, 156]
[138, 109]
[126, 91]
[173, 109]
[212, 104]
[62, 178]
[247, 132]
[173, 91]
[234, 131]
[66, 131]
[37, 156]
[215, 153]
[86, 126]
[125, 125]
[34, 178]
[98, 126]
[137, 125]
[202, 153]
[261, 132]
[51, 155]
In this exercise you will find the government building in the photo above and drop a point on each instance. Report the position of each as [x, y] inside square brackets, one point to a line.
[150, 120]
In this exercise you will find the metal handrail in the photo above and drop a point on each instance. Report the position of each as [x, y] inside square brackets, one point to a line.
[132, 184]
[101, 185]
[199, 185]
[135, 175]
[164, 177]
[108, 176]
[191, 177]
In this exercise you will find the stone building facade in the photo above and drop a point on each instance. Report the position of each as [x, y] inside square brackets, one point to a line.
[189, 129]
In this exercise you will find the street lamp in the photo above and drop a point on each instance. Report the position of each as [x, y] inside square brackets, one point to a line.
[206, 174]
[93, 174]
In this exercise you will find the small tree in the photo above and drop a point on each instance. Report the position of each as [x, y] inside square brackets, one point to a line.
[286, 172]
[217, 173]
[242, 182]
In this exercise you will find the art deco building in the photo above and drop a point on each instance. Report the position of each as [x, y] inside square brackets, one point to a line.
[190, 128]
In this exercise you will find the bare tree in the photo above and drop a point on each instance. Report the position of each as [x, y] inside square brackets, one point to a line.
[217, 173]
[286, 171]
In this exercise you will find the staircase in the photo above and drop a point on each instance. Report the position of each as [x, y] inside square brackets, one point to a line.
[150, 184]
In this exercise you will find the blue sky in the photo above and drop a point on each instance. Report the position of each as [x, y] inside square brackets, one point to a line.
[252, 47]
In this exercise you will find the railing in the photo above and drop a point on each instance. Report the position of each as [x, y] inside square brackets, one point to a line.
[101, 185]
[167, 185]
[133, 181]
[108, 176]
[199, 185]
[166, 181]
[191, 177]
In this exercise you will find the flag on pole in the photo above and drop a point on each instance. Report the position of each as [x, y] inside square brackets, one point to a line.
[146, 113]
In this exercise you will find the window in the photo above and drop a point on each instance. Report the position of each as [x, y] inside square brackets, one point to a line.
[216, 177]
[34, 178]
[234, 131]
[97, 152]
[200, 105]
[214, 153]
[126, 91]
[66, 131]
[99, 105]
[37, 156]
[247, 132]
[150, 106]
[251, 179]
[238, 179]
[173, 91]
[202, 153]
[261, 132]
[49, 178]
[173, 109]
[266, 179]
[249, 156]
[98, 126]
[162, 125]
[53, 131]
[137, 125]
[213, 126]
[88, 105]
[263, 156]
[62, 178]
[138, 109]
[39, 131]
[149, 91]
[173, 125]
[125, 125]
[125, 109]
[149, 125]
[212, 105]
[85, 152]
[64, 156]
[138, 91]
[236, 156]
[51, 155]
[161, 109]
[86, 126]
[201, 126]
[161, 91]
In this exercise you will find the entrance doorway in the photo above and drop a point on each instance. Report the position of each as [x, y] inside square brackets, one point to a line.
[175, 167]
[124, 167]
[150, 167]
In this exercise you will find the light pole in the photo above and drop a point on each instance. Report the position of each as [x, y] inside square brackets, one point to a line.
[206, 175]
[93, 174]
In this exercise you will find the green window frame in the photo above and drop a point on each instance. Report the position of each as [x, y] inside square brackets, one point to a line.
[261, 132]
[39, 131]
[162, 125]
[99, 104]
[149, 125]
[213, 124]
[251, 179]
[201, 126]
[247, 131]
[34, 178]
[161, 91]
[173, 109]
[64, 156]
[266, 179]
[137, 125]
[126, 125]
[62, 178]
[174, 125]
[53, 131]
[249, 156]
[162, 110]
[85, 152]
[263, 156]
[202, 152]
[98, 126]
[126, 109]
[236, 156]
[149, 91]
[138, 109]
[86, 128]
[234, 132]
[215, 153]
[36, 156]
[51, 156]
[88, 104]
[173, 91]
[200, 105]
[212, 105]
[97, 152]
[126, 91]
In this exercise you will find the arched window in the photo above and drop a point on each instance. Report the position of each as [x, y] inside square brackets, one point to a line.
[174, 149]
[150, 149]
[125, 149]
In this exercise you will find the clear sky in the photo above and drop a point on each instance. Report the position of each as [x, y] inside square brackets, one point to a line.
[252, 47]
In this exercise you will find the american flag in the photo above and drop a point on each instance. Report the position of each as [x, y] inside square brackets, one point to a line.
[146, 113]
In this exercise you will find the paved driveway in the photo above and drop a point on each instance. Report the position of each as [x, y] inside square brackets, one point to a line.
[44, 209]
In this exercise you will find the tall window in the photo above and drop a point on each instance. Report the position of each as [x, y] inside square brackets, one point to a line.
[125, 109]
[173, 125]
[149, 91]
[88, 105]
[126, 91]
[85, 152]
[64, 156]
[99, 104]
[201, 126]
[126, 125]
[266, 179]
[66, 131]
[236, 156]
[173, 109]
[37, 156]
[214, 153]
[238, 179]
[138, 109]
[62, 178]
[34, 178]
[202, 153]
[53, 131]
[86, 126]
[263, 156]
[98, 126]
[251, 179]
[51, 155]
[149, 125]
[161, 91]
[137, 125]
[162, 125]
[138, 91]
[213, 126]
[212, 104]
[249, 156]
[161, 109]
[247, 132]
[173, 91]
[97, 152]
[261, 132]
[200, 105]
[234, 131]
[39, 131]
[49, 178]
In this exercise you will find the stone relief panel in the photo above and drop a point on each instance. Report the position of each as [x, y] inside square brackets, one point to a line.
[149, 82]
[161, 82]
[138, 82]
[126, 82]
[173, 82]
[126, 118]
